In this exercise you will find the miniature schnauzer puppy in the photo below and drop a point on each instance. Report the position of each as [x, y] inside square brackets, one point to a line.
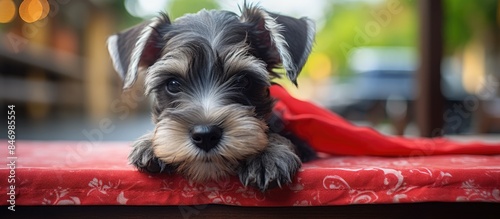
[209, 74]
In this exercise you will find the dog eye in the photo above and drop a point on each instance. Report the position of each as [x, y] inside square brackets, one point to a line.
[173, 86]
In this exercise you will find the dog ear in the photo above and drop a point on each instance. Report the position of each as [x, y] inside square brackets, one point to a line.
[136, 47]
[278, 39]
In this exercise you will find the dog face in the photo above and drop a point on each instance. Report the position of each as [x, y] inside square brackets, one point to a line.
[209, 74]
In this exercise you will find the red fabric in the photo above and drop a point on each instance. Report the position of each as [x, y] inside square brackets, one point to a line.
[85, 173]
[329, 133]
[96, 173]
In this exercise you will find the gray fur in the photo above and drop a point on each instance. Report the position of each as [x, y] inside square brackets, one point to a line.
[142, 156]
[214, 68]
[275, 166]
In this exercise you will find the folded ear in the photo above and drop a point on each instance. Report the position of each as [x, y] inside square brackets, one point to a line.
[278, 39]
[136, 47]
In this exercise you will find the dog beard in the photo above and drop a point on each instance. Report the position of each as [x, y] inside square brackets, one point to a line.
[243, 136]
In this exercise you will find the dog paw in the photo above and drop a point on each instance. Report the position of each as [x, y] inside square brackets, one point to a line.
[143, 158]
[155, 166]
[275, 166]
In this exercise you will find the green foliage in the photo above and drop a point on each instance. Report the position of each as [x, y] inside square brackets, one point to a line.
[351, 25]
[177, 8]
[347, 26]
[464, 20]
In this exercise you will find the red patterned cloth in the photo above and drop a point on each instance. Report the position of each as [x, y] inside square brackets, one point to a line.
[96, 173]
[82, 173]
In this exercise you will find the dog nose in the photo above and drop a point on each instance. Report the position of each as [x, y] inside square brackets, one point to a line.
[206, 137]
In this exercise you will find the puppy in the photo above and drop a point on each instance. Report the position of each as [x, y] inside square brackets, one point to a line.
[209, 74]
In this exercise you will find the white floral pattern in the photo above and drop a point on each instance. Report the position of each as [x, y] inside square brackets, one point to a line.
[474, 192]
[121, 198]
[60, 196]
[97, 185]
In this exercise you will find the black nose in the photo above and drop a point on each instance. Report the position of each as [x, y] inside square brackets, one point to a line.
[206, 137]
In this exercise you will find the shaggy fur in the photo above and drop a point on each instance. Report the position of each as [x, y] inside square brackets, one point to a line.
[209, 74]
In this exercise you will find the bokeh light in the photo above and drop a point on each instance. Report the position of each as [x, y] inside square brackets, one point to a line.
[319, 66]
[7, 11]
[32, 10]
[46, 9]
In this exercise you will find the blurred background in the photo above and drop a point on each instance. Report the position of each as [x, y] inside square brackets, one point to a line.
[404, 67]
